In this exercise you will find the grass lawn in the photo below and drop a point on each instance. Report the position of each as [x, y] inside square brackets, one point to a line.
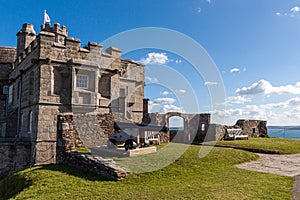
[284, 146]
[190, 177]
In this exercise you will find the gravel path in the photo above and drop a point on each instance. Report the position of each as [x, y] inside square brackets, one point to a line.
[286, 165]
[296, 189]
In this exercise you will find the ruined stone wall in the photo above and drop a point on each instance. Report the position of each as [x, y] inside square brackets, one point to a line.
[68, 138]
[106, 168]
[195, 125]
[254, 128]
[89, 130]
[156, 119]
[106, 122]
[199, 123]
[164, 137]
[84, 130]
[14, 156]
[215, 132]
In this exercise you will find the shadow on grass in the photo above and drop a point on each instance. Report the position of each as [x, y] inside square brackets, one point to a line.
[15, 183]
[12, 185]
[73, 172]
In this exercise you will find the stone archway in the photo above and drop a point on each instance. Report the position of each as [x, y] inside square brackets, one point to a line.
[195, 125]
[177, 135]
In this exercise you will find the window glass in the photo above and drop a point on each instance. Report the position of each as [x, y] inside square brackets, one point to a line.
[82, 81]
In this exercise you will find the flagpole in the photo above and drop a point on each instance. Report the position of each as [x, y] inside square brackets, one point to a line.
[44, 16]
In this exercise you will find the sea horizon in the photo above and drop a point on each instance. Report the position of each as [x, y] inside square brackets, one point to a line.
[292, 132]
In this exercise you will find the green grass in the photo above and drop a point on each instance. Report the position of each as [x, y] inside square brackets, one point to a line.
[83, 150]
[283, 146]
[190, 177]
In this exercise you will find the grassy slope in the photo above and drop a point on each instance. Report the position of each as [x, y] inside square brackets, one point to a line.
[284, 146]
[212, 177]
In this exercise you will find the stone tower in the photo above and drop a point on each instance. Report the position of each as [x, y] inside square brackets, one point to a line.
[25, 36]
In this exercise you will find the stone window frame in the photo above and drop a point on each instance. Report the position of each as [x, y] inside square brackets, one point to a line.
[82, 81]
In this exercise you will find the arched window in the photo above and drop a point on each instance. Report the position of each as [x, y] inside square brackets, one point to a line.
[176, 129]
[203, 127]
[176, 123]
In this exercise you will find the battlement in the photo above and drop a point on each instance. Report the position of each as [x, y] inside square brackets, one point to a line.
[25, 52]
[25, 36]
[55, 29]
[27, 29]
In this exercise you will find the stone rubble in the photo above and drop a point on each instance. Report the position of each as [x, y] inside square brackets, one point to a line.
[106, 168]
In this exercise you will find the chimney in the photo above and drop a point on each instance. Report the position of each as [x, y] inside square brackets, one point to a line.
[25, 36]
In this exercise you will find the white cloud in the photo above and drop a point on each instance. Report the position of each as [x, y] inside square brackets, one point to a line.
[164, 100]
[284, 113]
[155, 58]
[210, 83]
[199, 10]
[238, 100]
[233, 70]
[153, 107]
[178, 61]
[265, 87]
[208, 1]
[292, 103]
[295, 9]
[151, 79]
[165, 93]
[171, 108]
[164, 105]
[181, 91]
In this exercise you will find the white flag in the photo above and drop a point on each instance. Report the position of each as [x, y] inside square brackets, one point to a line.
[46, 18]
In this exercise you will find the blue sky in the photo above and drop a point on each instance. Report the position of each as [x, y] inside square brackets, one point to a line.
[253, 43]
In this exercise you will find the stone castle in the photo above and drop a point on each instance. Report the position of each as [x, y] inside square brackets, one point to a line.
[49, 75]
[56, 96]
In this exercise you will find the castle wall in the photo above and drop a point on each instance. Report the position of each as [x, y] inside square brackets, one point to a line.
[43, 86]
[215, 132]
[253, 128]
[13, 156]
[7, 57]
[195, 125]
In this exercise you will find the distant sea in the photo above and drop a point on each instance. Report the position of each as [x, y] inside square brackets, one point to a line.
[292, 132]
